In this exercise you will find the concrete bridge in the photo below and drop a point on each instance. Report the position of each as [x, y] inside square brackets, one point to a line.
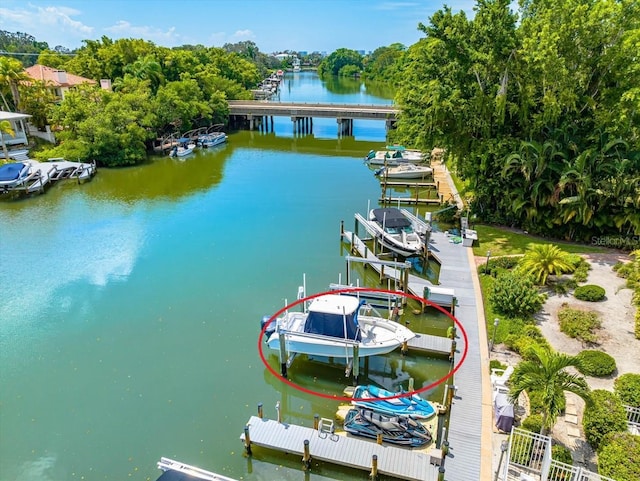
[259, 114]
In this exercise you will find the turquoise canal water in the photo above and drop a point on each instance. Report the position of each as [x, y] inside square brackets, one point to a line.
[131, 305]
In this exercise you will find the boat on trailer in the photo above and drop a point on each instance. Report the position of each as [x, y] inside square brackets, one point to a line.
[396, 231]
[332, 325]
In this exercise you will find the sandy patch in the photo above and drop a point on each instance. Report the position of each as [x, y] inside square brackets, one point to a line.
[616, 338]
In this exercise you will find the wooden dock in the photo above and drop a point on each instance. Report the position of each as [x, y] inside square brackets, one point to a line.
[342, 449]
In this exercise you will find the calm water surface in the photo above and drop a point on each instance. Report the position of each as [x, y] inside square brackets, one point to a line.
[130, 312]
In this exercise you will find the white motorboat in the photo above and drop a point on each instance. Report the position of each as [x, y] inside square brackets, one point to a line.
[211, 139]
[394, 155]
[405, 171]
[396, 231]
[332, 325]
[184, 147]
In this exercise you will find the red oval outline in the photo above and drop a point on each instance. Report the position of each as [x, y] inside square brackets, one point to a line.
[362, 289]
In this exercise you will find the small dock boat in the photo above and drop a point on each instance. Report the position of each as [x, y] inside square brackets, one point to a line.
[13, 174]
[396, 232]
[394, 155]
[332, 325]
[405, 171]
[382, 401]
[184, 147]
[211, 139]
[401, 430]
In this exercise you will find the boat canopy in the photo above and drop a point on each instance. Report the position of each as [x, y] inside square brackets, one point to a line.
[11, 171]
[335, 316]
[183, 140]
[391, 218]
[399, 148]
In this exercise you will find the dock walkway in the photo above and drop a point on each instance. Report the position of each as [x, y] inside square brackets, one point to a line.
[411, 465]
[466, 421]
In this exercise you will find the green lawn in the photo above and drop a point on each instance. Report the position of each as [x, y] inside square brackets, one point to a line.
[502, 241]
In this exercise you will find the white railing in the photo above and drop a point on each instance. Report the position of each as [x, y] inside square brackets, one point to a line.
[633, 419]
[529, 458]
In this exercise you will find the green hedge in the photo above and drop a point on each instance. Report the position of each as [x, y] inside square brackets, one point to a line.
[515, 295]
[627, 387]
[597, 363]
[619, 457]
[590, 292]
[579, 324]
[603, 416]
[562, 453]
[532, 423]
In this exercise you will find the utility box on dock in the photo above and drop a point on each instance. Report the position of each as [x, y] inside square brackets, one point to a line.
[441, 296]
[468, 236]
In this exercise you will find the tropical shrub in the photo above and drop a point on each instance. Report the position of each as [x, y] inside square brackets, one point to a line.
[498, 265]
[515, 295]
[627, 387]
[578, 324]
[603, 416]
[527, 339]
[597, 363]
[532, 423]
[495, 364]
[543, 260]
[590, 292]
[562, 453]
[536, 403]
[547, 372]
[619, 457]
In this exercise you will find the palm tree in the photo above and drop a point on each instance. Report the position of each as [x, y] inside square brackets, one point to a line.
[543, 260]
[546, 373]
[5, 128]
[11, 74]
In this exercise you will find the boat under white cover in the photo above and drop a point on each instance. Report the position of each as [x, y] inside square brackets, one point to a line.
[332, 325]
[396, 232]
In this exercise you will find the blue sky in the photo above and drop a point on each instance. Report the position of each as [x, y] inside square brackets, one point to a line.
[274, 26]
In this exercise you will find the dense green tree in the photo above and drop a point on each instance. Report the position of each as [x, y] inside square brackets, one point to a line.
[551, 102]
[385, 63]
[342, 57]
[181, 104]
[21, 43]
[515, 295]
[605, 415]
[37, 100]
[109, 127]
[546, 374]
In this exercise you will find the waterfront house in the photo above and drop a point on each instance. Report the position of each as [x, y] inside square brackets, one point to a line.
[58, 81]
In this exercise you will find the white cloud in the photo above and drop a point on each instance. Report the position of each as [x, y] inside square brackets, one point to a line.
[242, 35]
[55, 25]
[167, 37]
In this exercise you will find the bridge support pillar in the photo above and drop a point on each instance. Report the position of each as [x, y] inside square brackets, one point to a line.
[345, 127]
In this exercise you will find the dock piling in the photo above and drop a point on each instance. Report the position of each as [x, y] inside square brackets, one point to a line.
[306, 457]
[247, 440]
[278, 412]
[260, 414]
[374, 468]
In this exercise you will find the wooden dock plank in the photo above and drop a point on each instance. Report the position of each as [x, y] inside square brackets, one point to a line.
[341, 449]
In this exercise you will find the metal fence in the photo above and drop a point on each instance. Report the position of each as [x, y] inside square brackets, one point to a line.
[529, 459]
[633, 419]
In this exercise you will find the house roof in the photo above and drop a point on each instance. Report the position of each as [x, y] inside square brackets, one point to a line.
[56, 77]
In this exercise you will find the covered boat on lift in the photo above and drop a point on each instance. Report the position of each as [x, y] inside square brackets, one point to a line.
[332, 326]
